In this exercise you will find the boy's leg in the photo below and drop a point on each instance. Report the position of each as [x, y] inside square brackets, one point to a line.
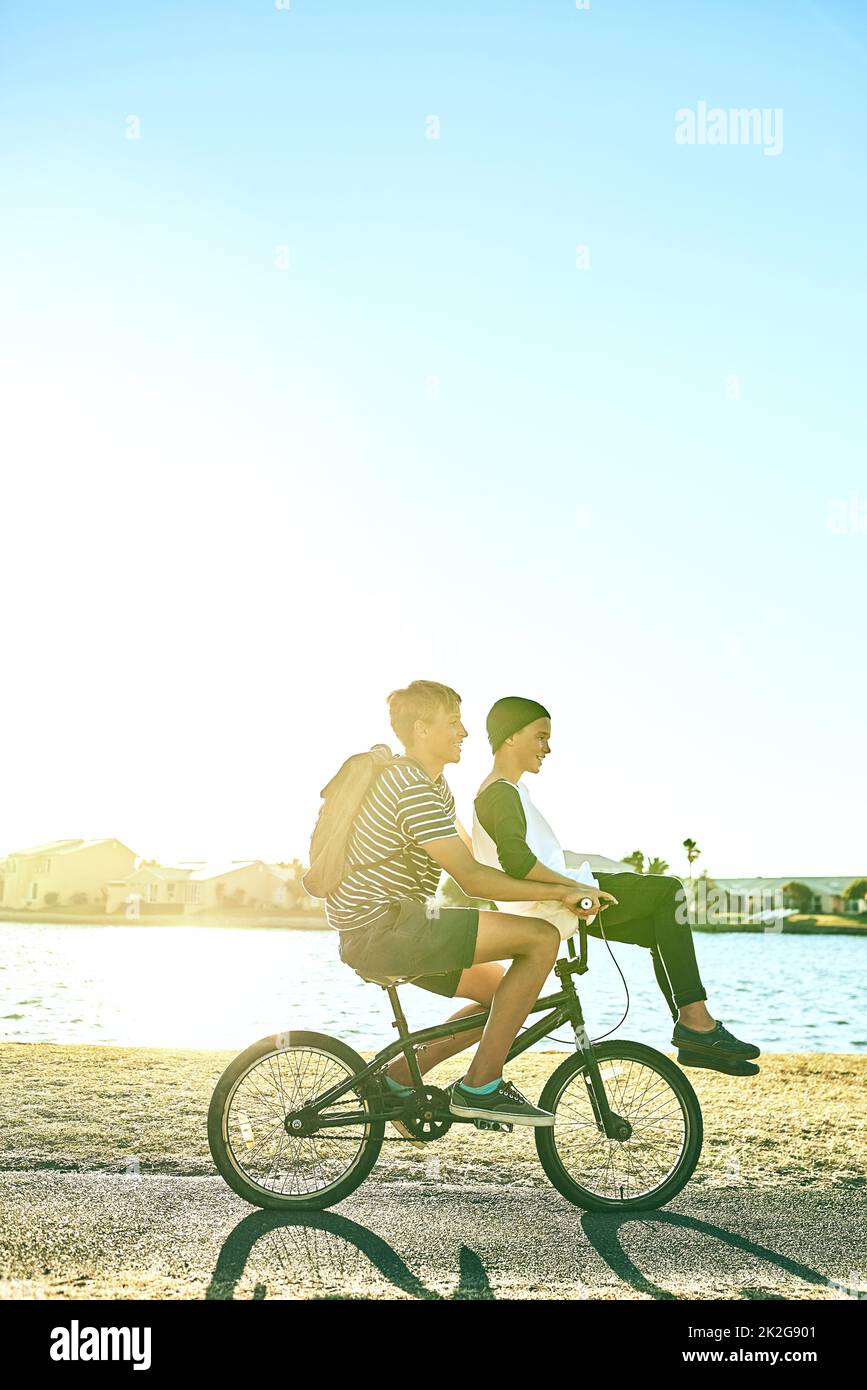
[479, 983]
[532, 945]
[410, 943]
[647, 914]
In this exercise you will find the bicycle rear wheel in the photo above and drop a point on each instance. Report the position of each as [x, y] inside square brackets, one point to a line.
[249, 1144]
[637, 1174]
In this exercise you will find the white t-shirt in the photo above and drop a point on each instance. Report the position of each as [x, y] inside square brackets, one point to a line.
[548, 850]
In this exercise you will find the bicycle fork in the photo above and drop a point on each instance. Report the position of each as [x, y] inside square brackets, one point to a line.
[612, 1125]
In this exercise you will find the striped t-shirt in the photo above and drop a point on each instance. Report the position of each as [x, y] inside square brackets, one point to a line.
[403, 810]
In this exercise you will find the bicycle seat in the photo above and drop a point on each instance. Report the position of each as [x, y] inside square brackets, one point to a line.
[385, 981]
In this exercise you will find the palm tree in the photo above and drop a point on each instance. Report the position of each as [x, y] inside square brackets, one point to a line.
[636, 859]
[692, 853]
[657, 866]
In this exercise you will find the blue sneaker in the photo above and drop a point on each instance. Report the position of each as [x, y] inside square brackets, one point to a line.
[505, 1104]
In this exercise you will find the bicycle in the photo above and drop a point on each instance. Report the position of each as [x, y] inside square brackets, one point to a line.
[626, 1137]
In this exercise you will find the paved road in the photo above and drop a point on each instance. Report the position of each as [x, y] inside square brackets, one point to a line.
[99, 1235]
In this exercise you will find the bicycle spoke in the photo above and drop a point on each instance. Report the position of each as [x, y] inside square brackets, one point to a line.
[258, 1143]
[609, 1168]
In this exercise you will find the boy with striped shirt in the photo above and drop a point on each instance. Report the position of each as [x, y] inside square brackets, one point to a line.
[405, 833]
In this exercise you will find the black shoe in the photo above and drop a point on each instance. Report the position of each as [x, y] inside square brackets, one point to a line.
[506, 1104]
[717, 1041]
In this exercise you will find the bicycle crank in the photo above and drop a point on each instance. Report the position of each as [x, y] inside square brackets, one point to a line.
[426, 1115]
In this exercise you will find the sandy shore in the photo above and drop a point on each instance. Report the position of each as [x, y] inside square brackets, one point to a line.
[107, 1191]
[801, 1123]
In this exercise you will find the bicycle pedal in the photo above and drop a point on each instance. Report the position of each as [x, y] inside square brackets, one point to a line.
[500, 1125]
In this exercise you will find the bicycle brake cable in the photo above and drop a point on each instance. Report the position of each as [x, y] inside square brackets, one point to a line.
[551, 1037]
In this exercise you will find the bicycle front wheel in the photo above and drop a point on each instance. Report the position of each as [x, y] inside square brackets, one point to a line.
[636, 1174]
[247, 1137]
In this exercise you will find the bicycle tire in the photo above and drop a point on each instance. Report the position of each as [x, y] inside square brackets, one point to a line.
[546, 1137]
[227, 1088]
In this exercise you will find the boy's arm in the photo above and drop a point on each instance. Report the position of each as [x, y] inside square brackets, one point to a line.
[543, 874]
[501, 814]
[478, 881]
[422, 819]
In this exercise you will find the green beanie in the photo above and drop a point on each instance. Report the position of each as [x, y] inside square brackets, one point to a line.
[509, 715]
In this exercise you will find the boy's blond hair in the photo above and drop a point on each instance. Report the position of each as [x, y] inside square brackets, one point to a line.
[420, 700]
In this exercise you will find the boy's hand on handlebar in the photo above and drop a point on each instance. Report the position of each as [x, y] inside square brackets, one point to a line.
[572, 899]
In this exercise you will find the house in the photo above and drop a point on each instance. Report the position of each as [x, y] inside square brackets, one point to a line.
[191, 887]
[748, 895]
[62, 873]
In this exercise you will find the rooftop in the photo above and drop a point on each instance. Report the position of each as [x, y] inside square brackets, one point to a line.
[818, 885]
[55, 847]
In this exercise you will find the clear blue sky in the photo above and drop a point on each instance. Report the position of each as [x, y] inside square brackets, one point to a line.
[244, 502]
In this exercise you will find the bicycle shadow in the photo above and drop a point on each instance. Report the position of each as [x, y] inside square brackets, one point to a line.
[602, 1231]
[334, 1257]
[335, 1252]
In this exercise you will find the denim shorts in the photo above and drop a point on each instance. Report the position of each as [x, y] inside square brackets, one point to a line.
[408, 944]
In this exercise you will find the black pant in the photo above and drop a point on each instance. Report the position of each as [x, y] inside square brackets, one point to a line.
[644, 915]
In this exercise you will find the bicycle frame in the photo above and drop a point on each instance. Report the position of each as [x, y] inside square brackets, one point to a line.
[565, 1007]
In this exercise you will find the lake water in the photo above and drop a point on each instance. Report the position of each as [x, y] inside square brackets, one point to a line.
[224, 987]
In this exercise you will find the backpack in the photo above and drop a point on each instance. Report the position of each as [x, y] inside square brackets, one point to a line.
[341, 802]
